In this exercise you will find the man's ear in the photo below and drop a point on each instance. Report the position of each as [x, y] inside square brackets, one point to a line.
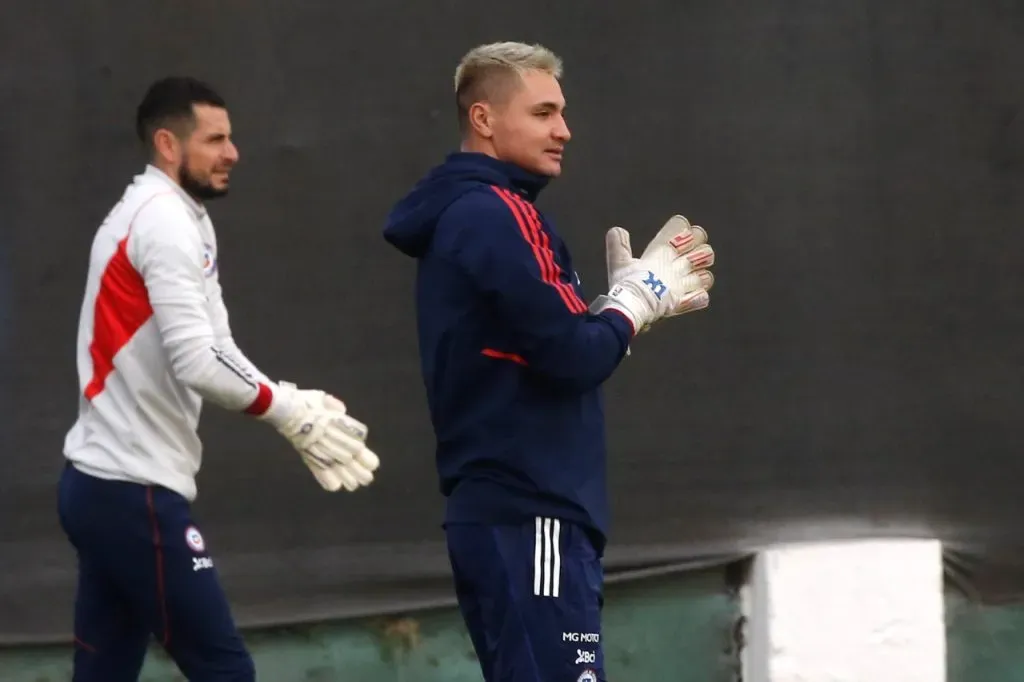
[481, 119]
[166, 144]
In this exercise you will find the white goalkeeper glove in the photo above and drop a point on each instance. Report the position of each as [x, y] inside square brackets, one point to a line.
[670, 278]
[332, 443]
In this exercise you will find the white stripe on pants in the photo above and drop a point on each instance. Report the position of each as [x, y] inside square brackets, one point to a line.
[547, 558]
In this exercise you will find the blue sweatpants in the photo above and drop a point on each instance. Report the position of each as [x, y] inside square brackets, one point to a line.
[144, 571]
[531, 598]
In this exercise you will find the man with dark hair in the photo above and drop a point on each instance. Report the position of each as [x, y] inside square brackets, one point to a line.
[171, 109]
[513, 361]
[154, 342]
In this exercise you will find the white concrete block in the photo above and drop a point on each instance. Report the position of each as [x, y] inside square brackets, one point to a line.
[848, 612]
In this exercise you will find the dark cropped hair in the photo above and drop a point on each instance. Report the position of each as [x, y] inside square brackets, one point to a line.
[168, 104]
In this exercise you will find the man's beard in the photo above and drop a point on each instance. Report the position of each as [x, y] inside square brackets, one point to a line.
[201, 191]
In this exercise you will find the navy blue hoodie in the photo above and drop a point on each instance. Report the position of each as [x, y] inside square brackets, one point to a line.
[512, 361]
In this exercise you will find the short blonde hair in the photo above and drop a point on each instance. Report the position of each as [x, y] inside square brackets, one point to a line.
[488, 72]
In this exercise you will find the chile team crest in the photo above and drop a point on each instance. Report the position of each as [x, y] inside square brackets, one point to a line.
[194, 539]
[209, 260]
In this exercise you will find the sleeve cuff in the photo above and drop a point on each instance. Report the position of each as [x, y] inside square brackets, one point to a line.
[620, 321]
[272, 405]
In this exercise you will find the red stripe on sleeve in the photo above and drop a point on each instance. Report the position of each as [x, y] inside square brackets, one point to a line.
[122, 307]
[534, 236]
[534, 218]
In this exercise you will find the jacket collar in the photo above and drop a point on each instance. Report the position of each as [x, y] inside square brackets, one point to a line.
[198, 210]
[514, 177]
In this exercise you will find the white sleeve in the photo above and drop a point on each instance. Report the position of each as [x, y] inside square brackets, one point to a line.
[225, 339]
[166, 249]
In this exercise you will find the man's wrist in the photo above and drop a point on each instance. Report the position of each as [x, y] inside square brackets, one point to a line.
[618, 306]
[282, 406]
[625, 298]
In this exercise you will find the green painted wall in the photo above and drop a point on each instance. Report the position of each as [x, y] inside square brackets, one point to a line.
[983, 643]
[677, 629]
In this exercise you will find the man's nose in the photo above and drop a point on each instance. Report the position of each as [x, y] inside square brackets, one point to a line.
[562, 133]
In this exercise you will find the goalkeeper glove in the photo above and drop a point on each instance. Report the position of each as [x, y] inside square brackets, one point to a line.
[670, 278]
[331, 443]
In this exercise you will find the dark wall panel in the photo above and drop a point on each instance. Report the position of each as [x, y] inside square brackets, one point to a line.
[857, 165]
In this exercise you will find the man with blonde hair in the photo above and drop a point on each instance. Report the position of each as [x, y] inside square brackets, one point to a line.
[513, 361]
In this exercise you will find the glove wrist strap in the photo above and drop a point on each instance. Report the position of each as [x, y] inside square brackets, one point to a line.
[281, 410]
[623, 302]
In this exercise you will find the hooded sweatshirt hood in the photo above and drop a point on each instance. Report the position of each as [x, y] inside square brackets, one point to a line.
[410, 224]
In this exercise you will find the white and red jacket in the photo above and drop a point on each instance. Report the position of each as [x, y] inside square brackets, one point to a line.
[154, 341]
